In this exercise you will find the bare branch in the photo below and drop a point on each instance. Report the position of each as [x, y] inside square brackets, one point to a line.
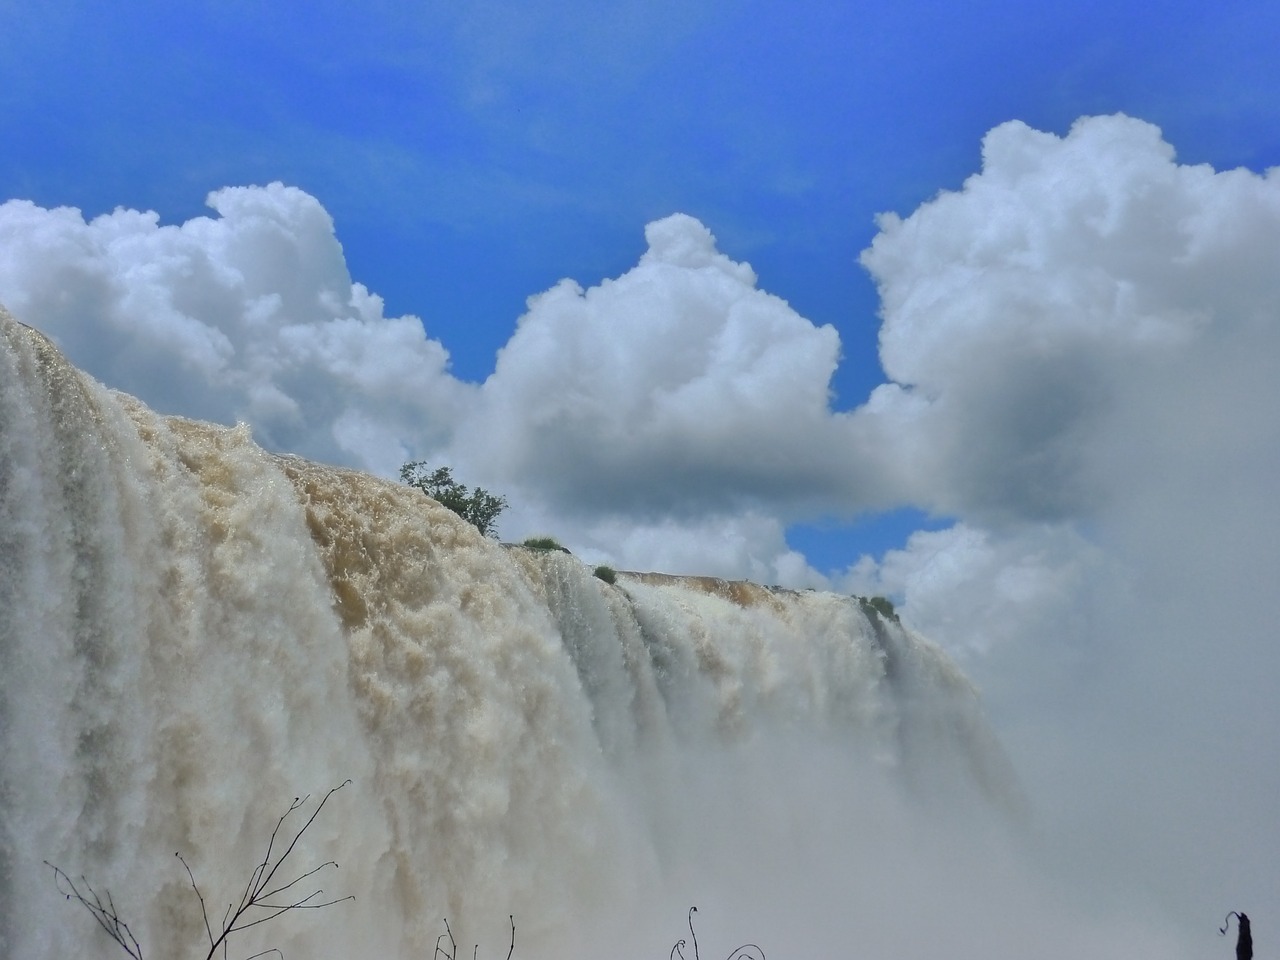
[748, 951]
[238, 916]
[281, 889]
[203, 912]
[256, 896]
[452, 952]
[103, 912]
[260, 878]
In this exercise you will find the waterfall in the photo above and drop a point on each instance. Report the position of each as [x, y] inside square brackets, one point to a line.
[193, 632]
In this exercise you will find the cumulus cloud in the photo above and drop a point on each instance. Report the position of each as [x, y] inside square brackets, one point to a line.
[1031, 317]
[247, 316]
[678, 389]
[969, 589]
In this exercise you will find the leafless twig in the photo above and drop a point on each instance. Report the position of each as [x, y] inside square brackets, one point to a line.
[747, 950]
[259, 893]
[103, 910]
[264, 898]
[452, 952]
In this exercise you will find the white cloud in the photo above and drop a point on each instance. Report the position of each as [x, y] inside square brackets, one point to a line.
[1031, 316]
[678, 389]
[250, 315]
[969, 589]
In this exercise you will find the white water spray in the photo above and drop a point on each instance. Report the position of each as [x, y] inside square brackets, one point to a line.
[193, 632]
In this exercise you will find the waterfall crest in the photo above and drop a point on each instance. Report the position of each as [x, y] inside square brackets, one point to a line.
[193, 632]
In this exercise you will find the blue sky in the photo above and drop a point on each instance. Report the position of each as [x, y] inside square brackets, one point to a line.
[473, 158]
[1035, 407]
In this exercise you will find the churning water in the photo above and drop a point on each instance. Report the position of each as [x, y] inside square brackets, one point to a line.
[193, 632]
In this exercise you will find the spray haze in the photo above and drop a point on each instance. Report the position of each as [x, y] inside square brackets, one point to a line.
[523, 738]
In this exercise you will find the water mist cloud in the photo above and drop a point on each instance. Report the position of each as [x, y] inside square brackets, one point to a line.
[1083, 343]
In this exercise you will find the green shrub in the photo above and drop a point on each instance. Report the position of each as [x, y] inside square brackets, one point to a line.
[478, 507]
[879, 605]
[607, 574]
[544, 543]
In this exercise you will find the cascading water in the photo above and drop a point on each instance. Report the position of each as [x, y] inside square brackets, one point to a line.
[193, 632]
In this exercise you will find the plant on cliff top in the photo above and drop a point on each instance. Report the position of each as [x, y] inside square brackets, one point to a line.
[478, 507]
[880, 605]
[544, 543]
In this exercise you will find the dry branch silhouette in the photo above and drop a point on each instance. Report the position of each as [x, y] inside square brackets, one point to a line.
[103, 910]
[452, 952]
[267, 895]
[747, 950]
